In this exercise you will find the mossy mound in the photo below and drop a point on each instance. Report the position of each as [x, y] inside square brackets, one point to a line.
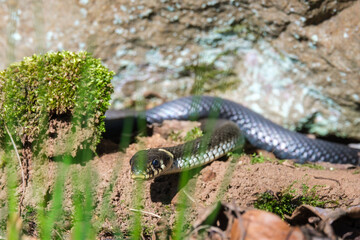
[45, 94]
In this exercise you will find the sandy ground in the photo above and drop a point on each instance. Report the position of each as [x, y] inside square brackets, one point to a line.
[231, 180]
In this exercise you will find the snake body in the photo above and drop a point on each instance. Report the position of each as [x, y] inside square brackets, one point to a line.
[260, 132]
[153, 162]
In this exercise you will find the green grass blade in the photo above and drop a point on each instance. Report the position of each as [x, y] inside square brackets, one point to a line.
[84, 205]
[46, 218]
[184, 183]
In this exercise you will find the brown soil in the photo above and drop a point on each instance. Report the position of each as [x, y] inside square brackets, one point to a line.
[336, 183]
[240, 183]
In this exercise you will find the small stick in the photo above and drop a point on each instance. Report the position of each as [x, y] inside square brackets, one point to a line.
[331, 179]
[21, 167]
[145, 212]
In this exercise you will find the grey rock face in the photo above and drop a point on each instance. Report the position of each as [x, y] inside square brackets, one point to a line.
[295, 62]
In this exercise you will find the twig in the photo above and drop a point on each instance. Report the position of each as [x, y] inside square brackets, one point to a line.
[240, 221]
[21, 167]
[209, 228]
[199, 228]
[219, 231]
[331, 179]
[145, 212]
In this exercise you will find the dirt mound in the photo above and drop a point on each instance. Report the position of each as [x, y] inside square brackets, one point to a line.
[235, 180]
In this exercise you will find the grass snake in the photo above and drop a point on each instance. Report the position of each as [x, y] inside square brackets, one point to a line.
[260, 132]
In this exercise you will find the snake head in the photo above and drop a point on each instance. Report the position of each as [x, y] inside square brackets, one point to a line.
[150, 163]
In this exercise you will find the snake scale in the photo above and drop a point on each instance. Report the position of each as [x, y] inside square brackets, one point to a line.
[260, 132]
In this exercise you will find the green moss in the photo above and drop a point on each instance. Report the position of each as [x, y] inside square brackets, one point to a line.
[190, 135]
[3, 223]
[175, 135]
[310, 165]
[193, 134]
[2, 160]
[235, 155]
[54, 85]
[148, 231]
[285, 202]
[29, 220]
[244, 30]
[208, 78]
[258, 158]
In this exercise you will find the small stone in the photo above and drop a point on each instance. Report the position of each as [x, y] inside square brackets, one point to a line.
[208, 175]
[355, 202]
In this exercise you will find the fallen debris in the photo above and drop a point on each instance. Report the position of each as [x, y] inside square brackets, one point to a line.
[228, 221]
[334, 223]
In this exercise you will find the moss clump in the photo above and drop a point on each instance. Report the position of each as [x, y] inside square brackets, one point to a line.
[285, 203]
[310, 165]
[65, 86]
[208, 78]
[259, 158]
[193, 134]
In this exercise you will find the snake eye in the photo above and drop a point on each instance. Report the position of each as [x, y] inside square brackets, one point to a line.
[156, 163]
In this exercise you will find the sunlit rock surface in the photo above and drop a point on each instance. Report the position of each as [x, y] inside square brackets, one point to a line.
[295, 62]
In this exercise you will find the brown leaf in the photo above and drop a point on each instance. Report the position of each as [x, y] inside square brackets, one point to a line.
[257, 224]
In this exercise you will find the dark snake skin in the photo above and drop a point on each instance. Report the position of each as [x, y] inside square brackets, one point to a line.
[260, 132]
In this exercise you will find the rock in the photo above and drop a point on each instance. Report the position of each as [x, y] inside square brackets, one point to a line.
[295, 62]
